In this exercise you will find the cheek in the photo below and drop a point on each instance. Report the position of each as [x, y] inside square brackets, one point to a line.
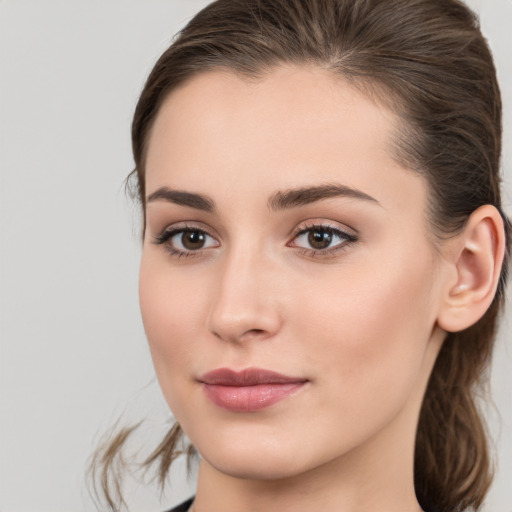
[171, 308]
[371, 329]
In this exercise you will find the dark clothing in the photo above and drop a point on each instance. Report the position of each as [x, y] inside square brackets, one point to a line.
[183, 507]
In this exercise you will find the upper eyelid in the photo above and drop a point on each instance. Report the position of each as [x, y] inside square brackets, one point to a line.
[188, 226]
[162, 237]
[309, 225]
[349, 237]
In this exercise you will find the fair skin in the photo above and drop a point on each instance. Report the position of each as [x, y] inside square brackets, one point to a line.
[358, 319]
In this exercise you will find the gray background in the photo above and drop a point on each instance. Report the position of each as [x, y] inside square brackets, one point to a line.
[73, 354]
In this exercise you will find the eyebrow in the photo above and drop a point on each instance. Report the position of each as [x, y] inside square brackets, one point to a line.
[306, 195]
[282, 200]
[182, 198]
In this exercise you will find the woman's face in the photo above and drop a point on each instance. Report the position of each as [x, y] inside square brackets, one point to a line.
[283, 237]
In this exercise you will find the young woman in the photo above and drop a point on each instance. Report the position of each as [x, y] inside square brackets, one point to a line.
[324, 253]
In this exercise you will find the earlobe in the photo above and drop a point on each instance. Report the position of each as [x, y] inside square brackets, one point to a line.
[477, 262]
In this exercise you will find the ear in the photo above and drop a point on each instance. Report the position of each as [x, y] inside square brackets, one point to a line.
[476, 259]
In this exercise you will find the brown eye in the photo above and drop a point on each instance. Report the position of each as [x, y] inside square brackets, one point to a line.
[193, 240]
[185, 241]
[320, 238]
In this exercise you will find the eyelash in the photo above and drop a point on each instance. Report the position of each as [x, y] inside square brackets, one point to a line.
[348, 239]
[164, 237]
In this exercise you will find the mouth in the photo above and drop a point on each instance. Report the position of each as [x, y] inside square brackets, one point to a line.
[250, 390]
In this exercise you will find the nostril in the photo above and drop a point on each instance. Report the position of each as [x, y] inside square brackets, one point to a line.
[245, 336]
[252, 333]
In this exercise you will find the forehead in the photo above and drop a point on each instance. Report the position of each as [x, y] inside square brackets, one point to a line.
[289, 128]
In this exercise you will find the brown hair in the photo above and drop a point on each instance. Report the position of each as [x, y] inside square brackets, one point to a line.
[429, 60]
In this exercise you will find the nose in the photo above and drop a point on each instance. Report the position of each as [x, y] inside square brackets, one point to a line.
[246, 304]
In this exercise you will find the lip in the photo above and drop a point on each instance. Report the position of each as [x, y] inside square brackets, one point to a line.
[249, 390]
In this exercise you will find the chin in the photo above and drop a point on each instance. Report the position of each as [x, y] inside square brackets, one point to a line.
[262, 453]
[256, 465]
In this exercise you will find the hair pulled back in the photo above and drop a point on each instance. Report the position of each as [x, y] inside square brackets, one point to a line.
[428, 60]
